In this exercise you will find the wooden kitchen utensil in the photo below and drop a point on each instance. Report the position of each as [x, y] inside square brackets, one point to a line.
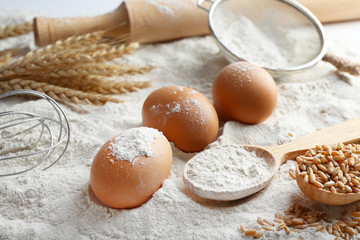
[134, 21]
[276, 155]
[328, 11]
[153, 21]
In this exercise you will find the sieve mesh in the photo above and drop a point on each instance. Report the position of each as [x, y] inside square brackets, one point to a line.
[279, 35]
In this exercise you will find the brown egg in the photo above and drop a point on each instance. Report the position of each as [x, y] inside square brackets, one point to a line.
[244, 92]
[121, 182]
[185, 116]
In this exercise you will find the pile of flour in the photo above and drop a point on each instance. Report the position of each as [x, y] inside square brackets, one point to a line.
[57, 203]
[134, 142]
[227, 169]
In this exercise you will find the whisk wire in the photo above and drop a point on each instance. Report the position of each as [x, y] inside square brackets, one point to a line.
[19, 121]
[47, 125]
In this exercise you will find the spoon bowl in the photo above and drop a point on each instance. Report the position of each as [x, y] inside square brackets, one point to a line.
[346, 132]
[231, 195]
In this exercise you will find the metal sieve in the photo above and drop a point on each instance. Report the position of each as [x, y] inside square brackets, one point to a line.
[279, 35]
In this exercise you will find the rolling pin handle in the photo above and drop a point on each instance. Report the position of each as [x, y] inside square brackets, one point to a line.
[200, 4]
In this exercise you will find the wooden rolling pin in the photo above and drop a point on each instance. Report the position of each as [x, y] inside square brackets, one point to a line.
[154, 21]
[328, 11]
[134, 20]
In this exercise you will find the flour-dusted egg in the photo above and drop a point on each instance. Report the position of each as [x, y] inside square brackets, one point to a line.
[185, 116]
[244, 92]
[131, 167]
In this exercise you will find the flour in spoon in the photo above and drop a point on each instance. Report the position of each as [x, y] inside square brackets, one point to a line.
[228, 168]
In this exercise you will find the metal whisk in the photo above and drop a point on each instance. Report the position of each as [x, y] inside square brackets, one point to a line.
[39, 136]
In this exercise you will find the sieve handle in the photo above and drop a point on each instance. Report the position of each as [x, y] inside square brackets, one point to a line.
[200, 4]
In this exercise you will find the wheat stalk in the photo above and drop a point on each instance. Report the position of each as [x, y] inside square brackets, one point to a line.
[97, 84]
[16, 30]
[73, 70]
[115, 87]
[37, 61]
[74, 42]
[33, 64]
[97, 69]
[60, 94]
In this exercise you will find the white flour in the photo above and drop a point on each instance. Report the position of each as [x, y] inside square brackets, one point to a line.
[56, 203]
[134, 142]
[229, 168]
[270, 45]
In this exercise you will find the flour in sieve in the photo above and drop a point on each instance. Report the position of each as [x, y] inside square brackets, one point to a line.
[270, 46]
[134, 142]
[228, 168]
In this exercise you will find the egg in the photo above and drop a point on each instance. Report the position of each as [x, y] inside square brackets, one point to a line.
[185, 116]
[129, 168]
[244, 92]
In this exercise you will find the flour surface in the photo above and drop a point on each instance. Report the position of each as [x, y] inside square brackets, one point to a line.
[228, 169]
[57, 203]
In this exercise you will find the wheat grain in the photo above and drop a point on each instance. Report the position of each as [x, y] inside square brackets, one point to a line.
[292, 174]
[329, 229]
[259, 234]
[16, 30]
[268, 222]
[278, 220]
[250, 232]
[282, 225]
[337, 171]
[268, 228]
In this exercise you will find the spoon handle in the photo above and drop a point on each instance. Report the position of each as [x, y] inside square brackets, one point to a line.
[348, 131]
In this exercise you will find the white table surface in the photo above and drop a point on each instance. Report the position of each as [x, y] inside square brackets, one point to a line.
[68, 8]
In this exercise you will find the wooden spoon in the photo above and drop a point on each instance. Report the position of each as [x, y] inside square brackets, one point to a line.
[347, 132]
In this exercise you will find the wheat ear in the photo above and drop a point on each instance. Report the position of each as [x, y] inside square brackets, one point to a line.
[113, 52]
[7, 54]
[115, 87]
[96, 69]
[31, 63]
[59, 94]
[5, 58]
[16, 30]
[37, 61]
[96, 84]
[74, 42]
